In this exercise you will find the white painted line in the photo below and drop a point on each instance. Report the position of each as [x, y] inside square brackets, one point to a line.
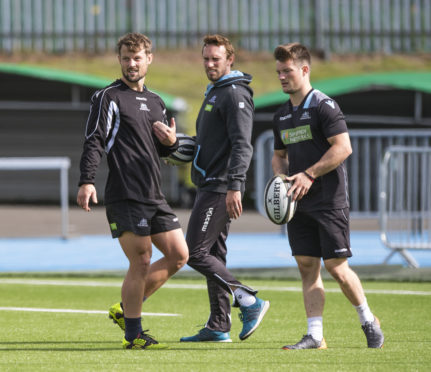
[86, 283]
[60, 282]
[338, 290]
[41, 310]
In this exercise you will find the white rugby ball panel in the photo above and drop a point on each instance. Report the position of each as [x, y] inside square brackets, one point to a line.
[185, 151]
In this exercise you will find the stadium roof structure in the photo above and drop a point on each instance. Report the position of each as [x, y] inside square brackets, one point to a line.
[378, 100]
[75, 78]
[417, 81]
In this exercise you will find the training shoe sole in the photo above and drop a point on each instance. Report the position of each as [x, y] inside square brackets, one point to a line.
[208, 335]
[259, 320]
[322, 346]
[152, 347]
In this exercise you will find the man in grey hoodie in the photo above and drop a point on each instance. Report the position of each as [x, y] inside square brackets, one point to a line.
[222, 157]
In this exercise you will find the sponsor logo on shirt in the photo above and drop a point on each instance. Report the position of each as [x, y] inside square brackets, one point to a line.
[144, 107]
[294, 135]
[305, 115]
[208, 107]
[141, 98]
[288, 116]
[241, 105]
[213, 99]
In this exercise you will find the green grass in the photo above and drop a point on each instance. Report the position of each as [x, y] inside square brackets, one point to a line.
[40, 341]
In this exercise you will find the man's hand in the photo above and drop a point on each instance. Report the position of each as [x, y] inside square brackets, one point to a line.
[233, 204]
[165, 134]
[86, 192]
[300, 185]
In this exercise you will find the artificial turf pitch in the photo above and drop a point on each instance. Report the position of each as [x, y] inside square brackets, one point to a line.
[68, 341]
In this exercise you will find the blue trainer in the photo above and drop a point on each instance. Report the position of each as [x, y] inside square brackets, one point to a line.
[206, 334]
[251, 316]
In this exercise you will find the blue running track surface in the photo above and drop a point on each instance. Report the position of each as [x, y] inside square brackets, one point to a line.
[100, 252]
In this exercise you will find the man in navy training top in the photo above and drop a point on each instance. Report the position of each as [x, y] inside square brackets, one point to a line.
[128, 122]
[311, 142]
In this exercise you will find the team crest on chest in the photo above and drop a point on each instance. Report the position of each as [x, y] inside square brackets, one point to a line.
[144, 107]
[305, 116]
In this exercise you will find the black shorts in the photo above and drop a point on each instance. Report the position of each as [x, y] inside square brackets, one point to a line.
[140, 218]
[323, 234]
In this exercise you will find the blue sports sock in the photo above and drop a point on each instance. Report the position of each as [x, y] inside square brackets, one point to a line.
[133, 328]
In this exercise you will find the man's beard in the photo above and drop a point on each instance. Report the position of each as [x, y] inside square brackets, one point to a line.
[135, 80]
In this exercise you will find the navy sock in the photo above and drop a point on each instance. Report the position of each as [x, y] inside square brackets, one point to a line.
[133, 328]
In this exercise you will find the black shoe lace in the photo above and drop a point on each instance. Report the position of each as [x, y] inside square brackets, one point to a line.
[147, 337]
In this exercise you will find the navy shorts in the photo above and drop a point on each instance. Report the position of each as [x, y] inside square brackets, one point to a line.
[323, 234]
[140, 218]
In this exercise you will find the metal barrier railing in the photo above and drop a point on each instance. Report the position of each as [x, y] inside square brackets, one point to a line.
[61, 164]
[405, 200]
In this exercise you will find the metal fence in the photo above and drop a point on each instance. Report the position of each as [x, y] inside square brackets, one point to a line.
[61, 164]
[405, 200]
[362, 166]
[333, 26]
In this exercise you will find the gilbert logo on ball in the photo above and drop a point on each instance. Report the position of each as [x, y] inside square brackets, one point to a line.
[279, 207]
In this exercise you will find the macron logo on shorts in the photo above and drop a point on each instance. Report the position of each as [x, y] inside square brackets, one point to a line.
[340, 250]
[143, 223]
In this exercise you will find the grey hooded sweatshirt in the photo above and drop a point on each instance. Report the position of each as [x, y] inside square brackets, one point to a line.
[223, 135]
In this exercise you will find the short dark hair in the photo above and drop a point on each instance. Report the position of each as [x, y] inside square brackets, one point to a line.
[219, 40]
[292, 51]
[135, 41]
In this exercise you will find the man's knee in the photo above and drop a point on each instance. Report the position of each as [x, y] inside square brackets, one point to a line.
[197, 260]
[309, 267]
[339, 270]
[180, 258]
[140, 262]
[195, 252]
[193, 260]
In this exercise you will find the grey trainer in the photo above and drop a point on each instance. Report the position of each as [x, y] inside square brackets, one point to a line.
[374, 334]
[307, 342]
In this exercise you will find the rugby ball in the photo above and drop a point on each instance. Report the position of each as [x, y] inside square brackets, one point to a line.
[279, 207]
[185, 151]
